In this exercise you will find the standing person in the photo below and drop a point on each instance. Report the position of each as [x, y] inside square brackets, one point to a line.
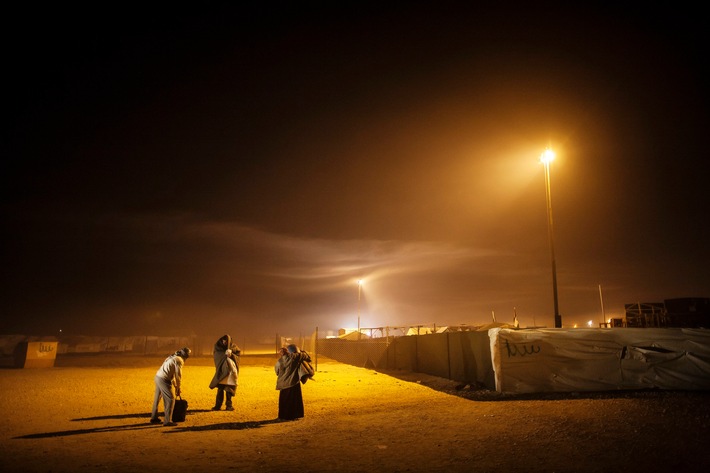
[226, 378]
[288, 382]
[169, 376]
[220, 347]
[218, 353]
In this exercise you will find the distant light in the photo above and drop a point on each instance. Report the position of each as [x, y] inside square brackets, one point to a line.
[359, 282]
[589, 323]
[547, 156]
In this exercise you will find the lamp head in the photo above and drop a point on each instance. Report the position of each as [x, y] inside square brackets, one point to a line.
[547, 156]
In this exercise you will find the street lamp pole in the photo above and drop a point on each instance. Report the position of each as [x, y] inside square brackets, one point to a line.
[547, 156]
[359, 288]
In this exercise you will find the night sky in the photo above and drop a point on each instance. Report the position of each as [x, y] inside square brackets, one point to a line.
[205, 169]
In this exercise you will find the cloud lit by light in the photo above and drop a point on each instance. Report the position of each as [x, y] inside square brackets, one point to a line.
[299, 155]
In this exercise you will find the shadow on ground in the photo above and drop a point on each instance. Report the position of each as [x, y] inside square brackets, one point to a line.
[476, 392]
[116, 428]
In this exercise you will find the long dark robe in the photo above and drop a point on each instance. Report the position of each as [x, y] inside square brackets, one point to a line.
[291, 403]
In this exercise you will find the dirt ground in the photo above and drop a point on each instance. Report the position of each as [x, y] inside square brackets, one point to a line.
[90, 413]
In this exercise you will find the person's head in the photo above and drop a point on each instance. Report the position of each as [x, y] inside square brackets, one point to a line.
[184, 353]
[225, 340]
[283, 351]
[292, 348]
[235, 349]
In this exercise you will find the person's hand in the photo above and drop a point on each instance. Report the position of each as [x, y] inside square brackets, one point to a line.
[177, 391]
[228, 352]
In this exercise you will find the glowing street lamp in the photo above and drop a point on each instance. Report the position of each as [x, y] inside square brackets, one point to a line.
[546, 158]
[359, 288]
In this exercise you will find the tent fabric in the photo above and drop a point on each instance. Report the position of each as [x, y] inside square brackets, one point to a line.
[566, 360]
[354, 336]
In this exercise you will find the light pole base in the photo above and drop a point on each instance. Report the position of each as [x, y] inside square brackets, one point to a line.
[558, 321]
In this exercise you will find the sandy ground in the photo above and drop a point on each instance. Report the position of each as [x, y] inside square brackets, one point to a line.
[90, 413]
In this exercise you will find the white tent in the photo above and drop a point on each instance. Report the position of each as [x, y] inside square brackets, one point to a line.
[564, 360]
[353, 336]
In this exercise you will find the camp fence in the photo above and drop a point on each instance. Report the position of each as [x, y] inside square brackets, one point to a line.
[461, 356]
[540, 360]
[139, 345]
[501, 359]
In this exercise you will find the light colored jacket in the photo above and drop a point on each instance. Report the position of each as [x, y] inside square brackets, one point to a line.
[171, 370]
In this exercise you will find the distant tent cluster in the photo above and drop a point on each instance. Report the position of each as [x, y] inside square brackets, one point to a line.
[410, 330]
[687, 312]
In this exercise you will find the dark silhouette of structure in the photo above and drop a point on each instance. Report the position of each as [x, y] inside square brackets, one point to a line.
[684, 312]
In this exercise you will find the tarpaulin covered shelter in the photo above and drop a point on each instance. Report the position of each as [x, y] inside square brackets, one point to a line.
[565, 360]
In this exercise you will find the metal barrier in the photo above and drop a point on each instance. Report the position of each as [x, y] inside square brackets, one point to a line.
[459, 356]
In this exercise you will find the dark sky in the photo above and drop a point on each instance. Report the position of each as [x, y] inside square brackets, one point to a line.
[204, 169]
